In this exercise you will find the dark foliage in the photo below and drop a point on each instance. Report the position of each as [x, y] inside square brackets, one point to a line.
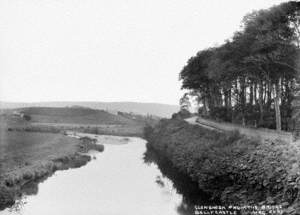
[228, 166]
[253, 73]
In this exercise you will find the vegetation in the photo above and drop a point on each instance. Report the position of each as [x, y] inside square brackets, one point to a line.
[251, 78]
[228, 166]
[182, 114]
[148, 119]
[73, 115]
[78, 119]
[28, 157]
[33, 147]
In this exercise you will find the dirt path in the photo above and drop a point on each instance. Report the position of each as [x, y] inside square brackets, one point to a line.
[261, 132]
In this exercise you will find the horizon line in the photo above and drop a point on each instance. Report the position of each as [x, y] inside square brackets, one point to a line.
[26, 102]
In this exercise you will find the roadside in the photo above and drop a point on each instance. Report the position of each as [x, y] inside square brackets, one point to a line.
[265, 134]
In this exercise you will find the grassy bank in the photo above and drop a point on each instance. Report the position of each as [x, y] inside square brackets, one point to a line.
[26, 158]
[231, 167]
[33, 145]
[118, 130]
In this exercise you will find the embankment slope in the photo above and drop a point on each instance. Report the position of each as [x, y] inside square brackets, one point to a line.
[231, 167]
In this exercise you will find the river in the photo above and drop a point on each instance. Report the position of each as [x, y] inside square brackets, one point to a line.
[119, 181]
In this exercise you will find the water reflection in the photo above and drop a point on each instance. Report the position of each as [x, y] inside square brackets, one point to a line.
[159, 181]
[124, 179]
[191, 194]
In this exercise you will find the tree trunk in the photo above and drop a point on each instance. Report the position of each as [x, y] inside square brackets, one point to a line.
[277, 106]
[230, 105]
[260, 102]
[210, 99]
[255, 96]
[225, 93]
[243, 99]
[269, 95]
[251, 94]
[236, 93]
[264, 92]
[289, 96]
[205, 106]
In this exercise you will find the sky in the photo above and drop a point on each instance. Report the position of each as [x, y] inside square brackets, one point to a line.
[108, 50]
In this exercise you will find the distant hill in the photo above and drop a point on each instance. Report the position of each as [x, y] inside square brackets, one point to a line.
[73, 115]
[157, 109]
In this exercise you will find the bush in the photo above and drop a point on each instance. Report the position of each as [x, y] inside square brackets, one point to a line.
[221, 113]
[27, 117]
[207, 156]
[182, 114]
[148, 130]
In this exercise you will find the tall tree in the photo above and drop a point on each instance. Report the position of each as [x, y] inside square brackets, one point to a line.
[253, 72]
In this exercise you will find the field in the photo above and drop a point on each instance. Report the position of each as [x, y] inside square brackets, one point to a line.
[39, 136]
[24, 141]
[28, 157]
[74, 116]
[33, 144]
[21, 149]
[81, 119]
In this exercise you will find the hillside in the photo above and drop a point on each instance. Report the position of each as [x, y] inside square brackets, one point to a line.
[73, 115]
[157, 109]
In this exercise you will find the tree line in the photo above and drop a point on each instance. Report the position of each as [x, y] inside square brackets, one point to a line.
[250, 79]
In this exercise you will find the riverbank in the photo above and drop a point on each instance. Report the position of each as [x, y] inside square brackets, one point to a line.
[117, 130]
[32, 148]
[28, 158]
[230, 167]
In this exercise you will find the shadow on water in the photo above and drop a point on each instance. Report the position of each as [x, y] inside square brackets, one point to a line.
[183, 184]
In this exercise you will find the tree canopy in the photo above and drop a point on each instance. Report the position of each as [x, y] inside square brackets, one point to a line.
[250, 78]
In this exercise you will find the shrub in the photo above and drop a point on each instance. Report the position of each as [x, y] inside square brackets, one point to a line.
[148, 130]
[27, 117]
[182, 114]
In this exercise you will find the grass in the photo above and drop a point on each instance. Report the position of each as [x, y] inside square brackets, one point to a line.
[119, 130]
[28, 158]
[74, 116]
[56, 120]
[31, 156]
[20, 149]
[33, 149]
[26, 142]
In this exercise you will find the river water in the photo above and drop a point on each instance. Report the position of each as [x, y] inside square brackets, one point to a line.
[118, 181]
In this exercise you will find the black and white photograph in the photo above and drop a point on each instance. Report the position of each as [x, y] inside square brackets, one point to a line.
[149, 107]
